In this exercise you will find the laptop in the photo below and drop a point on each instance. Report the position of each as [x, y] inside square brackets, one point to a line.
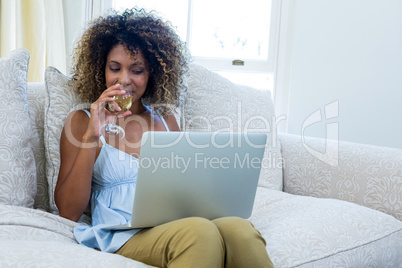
[202, 174]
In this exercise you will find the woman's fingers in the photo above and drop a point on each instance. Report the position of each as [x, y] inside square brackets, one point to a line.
[113, 91]
[110, 104]
[112, 107]
[100, 115]
[126, 113]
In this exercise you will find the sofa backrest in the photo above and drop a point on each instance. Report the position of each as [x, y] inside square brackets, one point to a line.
[213, 103]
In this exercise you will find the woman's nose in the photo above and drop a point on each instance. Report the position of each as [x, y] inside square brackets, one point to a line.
[124, 78]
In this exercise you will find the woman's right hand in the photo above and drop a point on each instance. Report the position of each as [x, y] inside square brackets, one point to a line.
[100, 115]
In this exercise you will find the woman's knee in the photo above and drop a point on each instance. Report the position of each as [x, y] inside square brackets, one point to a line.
[245, 247]
[201, 231]
[232, 224]
[202, 242]
[237, 228]
[196, 226]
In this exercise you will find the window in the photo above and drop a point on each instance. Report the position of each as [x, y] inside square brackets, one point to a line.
[233, 37]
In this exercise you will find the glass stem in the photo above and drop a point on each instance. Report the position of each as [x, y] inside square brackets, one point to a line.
[115, 118]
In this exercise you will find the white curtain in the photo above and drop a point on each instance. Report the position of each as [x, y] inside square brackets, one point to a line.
[96, 8]
[37, 25]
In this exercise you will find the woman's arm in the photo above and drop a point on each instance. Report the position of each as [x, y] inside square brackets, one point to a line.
[77, 153]
[78, 147]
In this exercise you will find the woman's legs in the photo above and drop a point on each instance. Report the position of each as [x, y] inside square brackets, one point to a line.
[197, 242]
[189, 242]
[245, 247]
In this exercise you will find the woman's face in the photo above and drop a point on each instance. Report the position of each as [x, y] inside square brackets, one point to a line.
[131, 73]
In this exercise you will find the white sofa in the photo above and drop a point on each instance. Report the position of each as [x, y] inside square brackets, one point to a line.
[342, 208]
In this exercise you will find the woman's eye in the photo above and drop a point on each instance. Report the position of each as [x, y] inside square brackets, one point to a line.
[137, 71]
[114, 69]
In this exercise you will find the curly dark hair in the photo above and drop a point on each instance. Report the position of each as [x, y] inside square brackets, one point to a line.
[166, 55]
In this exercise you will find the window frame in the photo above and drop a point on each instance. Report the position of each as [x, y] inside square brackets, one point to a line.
[250, 65]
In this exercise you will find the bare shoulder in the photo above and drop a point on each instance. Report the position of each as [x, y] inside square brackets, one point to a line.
[76, 124]
[78, 117]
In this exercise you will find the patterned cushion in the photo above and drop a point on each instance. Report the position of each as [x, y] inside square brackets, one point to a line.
[36, 101]
[61, 100]
[303, 231]
[365, 174]
[17, 164]
[213, 103]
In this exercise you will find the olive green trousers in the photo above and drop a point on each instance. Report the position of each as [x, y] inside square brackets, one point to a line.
[198, 242]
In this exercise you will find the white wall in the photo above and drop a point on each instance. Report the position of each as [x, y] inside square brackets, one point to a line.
[349, 53]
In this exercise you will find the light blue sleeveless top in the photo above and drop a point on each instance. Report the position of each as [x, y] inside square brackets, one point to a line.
[112, 196]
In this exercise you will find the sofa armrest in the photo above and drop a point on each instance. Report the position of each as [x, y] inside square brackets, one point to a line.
[363, 174]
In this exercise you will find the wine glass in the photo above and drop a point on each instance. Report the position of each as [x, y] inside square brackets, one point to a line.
[124, 101]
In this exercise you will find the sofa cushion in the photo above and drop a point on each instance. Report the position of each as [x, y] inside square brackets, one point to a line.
[49, 254]
[365, 174]
[36, 101]
[17, 164]
[213, 103]
[305, 231]
[61, 100]
[34, 238]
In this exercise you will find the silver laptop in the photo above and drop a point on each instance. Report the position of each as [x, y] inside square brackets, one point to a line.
[185, 174]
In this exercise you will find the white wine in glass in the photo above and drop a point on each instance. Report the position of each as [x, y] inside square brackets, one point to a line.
[124, 102]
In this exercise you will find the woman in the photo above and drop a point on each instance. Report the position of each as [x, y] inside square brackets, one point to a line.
[138, 52]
